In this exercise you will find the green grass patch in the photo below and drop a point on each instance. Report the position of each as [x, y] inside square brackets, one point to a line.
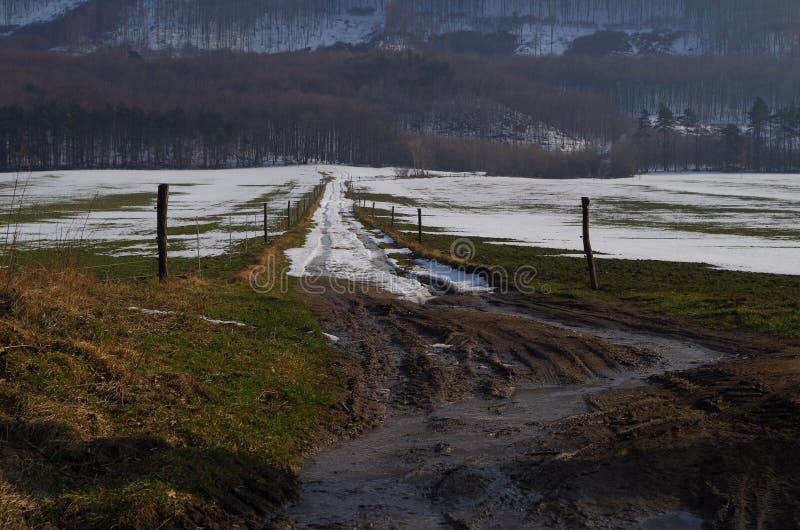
[386, 198]
[120, 202]
[284, 190]
[705, 228]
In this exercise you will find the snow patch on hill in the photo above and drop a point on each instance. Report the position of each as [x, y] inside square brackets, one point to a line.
[19, 13]
[489, 122]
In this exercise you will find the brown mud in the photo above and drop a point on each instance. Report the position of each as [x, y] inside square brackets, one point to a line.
[508, 411]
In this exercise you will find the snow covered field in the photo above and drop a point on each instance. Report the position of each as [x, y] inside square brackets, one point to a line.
[115, 209]
[737, 222]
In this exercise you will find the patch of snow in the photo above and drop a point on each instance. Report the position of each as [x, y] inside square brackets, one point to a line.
[382, 238]
[332, 338]
[204, 318]
[223, 322]
[488, 121]
[151, 311]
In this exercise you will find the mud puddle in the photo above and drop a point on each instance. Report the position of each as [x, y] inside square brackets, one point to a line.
[456, 466]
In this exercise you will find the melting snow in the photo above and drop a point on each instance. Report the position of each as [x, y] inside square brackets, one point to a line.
[340, 247]
[151, 311]
[204, 318]
[223, 322]
[736, 222]
[332, 338]
[226, 204]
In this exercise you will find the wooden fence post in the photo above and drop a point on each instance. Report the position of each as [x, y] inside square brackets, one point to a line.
[392, 216]
[587, 245]
[419, 224]
[266, 225]
[199, 266]
[373, 210]
[230, 240]
[161, 208]
[288, 214]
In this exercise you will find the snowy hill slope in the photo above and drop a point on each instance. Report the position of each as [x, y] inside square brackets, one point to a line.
[749, 27]
[15, 14]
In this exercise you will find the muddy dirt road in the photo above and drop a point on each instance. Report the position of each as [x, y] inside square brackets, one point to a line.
[466, 393]
[484, 410]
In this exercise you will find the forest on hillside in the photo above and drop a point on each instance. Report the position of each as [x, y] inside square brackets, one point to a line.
[511, 116]
[335, 106]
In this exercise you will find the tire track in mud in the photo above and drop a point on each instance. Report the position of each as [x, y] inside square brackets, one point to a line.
[462, 388]
[466, 388]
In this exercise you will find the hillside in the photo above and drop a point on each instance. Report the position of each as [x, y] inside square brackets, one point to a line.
[512, 27]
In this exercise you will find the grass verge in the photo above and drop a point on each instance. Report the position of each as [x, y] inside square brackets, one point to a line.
[125, 404]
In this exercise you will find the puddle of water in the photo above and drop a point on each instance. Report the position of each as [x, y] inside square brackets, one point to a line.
[445, 279]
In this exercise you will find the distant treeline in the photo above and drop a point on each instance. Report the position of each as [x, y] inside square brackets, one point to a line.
[69, 136]
[73, 137]
[671, 141]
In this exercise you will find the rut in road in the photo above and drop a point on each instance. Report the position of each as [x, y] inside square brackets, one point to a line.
[462, 388]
